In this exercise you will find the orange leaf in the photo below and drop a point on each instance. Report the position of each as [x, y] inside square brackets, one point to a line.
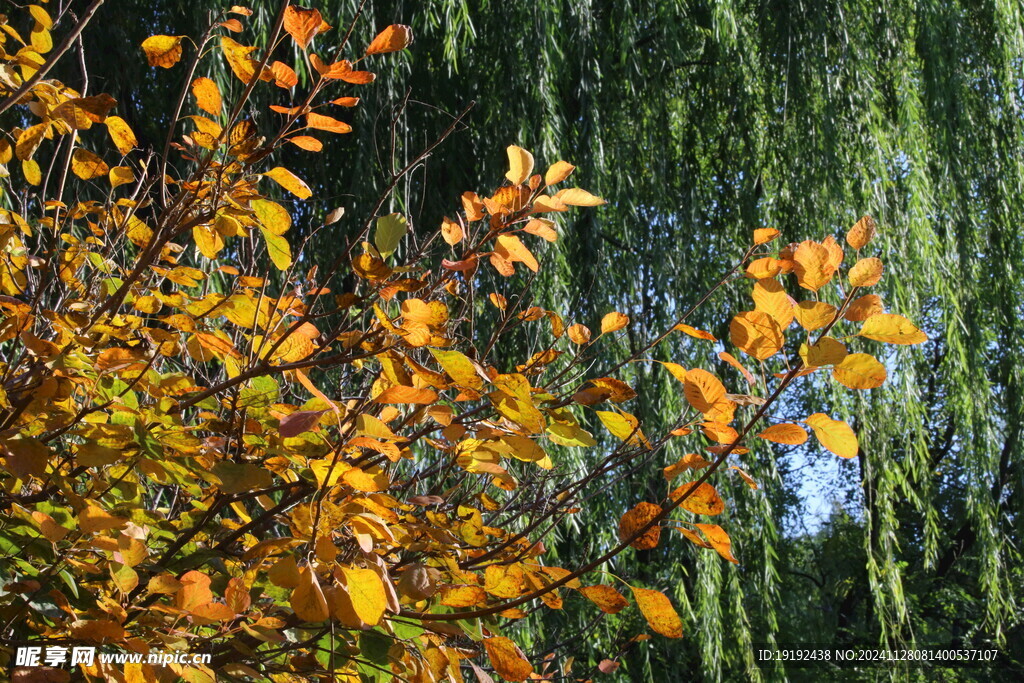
[403, 394]
[507, 659]
[520, 163]
[87, 165]
[321, 122]
[694, 332]
[861, 233]
[746, 477]
[703, 501]
[731, 360]
[719, 540]
[786, 433]
[703, 390]
[813, 315]
[606, 598]
[862, 308]
[636, 518]
[756, 333]
[579, 334]
[690, 461]
[302, 24]
[765, 235]
[813, 267]
[613, 322]
[659, 613]
[827, 351]
[451, 231]
[284, 76]
[557, 172]
[306, 142]
[770, 297]
[392, 39]
[207, 95]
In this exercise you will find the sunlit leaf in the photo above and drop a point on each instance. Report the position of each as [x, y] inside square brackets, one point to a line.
[719, 540]
[891, 328]
[520, 164]
[866, 272]
[786, 433]
[861, 233]
[163, 51]
[636, 518]
[289, 181]
[307, 598]
[658, 611]
[507, 659]
[207, 95]
[393, 38]
[860, 371]
[703, 501]
[608, 600]
[834, 435]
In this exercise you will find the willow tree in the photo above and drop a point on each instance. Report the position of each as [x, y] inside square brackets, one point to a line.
[700, 121]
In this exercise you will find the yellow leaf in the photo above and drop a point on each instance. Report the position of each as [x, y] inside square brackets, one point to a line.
[608, 600]
[41, 17]
[404, 394]
[331, 125]
[87, 165]
[786, 433]
[120, 175]
[861, 233]
[576, 197]
[164, 51]
[703, 390]
[451, 231]
[365, 589]
[757, 334]
[278, 248]
[511, 248]
[813, 267]
[207, 95]
[307, 598]
[703, 501]
[826, 351]
[866, 272]
[520, 164]
[765, 235]
[93, 518]
[634, 520]
[622, 425]
[659, 613]
[272, 216]
[719, 540]
[507, 659]
[860, 371]
[764, 267]
[613, 322]
[835, 435]
[557, 172]
[392, 39]
[459, 367]
[121, 134]
[813, 315]
[289, 181]
[891, 328]
[29, 140]
[242, 65]
[208, 241]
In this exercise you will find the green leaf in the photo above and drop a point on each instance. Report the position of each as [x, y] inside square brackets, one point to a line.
[390, 231]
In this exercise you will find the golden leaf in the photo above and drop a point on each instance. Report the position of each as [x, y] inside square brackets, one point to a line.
[520, 164]
[813, 268]
[770, 297]
[207, 95]
[659, 613]
[861, 233]
[307, 599]
[121, 134]
[163, 51]
[891, 328]
[826, 351]
[87, 165]
[866, 272]
[765, 235]
[864, 307]
[860, 371]
[366, 591]
[756, 333]
[608, 600]
[613, 322]
[634, 520]
[719, 540]
[321, 122]
[576, 197]
[302, 24]
[786, 433]
[507, 659]
[835, 435]
[289, 181]
[813, 315]
[703, 501]
[557, 172]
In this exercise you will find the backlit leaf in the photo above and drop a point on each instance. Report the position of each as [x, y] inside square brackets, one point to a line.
[864, 307]
[891, 328]
[404, 394]
[207, 95]
[520, 164]
[866, 272]
[860, 371]
[826, 351]
[785, 433]
[278, 248]
[87, 165]
[613, 322]
[392, 39]
[507, 659]
[608, 600]
[813, 268]
[557, 172]
[163, 51]
[321, 122]
[577, 197]
[813, 315]
[121, 134]
[659, 613]
[289, 181]
[366, 590]
[861, 233]
[719, 540]
[634, 520]
[703, 501]
[302, 24]
[770, 297]
[835, 435]
[765, 235]
[756, 333]
[307, 599]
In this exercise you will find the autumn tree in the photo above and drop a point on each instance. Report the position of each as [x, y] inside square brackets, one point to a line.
[216, 441]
